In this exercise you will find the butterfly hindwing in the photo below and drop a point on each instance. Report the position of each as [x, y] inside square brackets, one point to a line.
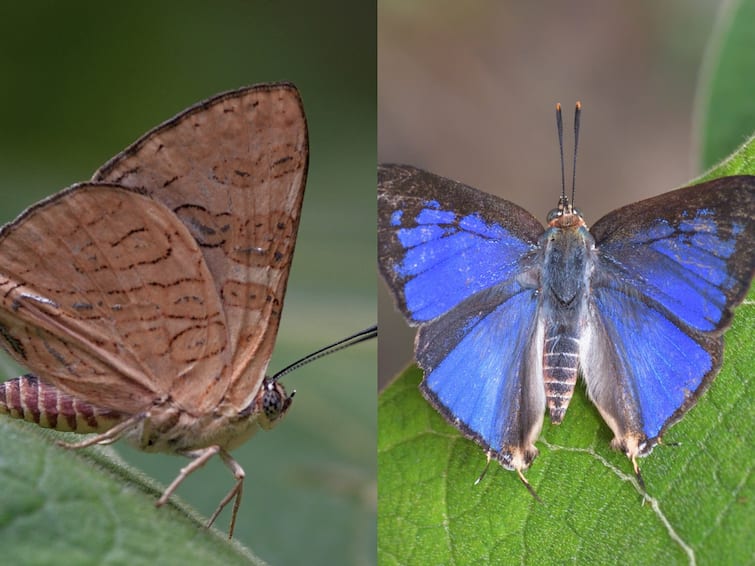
[671, 269]
[641, 368]
[483, 367]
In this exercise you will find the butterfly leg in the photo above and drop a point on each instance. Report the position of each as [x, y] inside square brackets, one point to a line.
[107, 437]
[489, 455]
[637, 473]
[634, 445]
[199, 459]
[236, 491]
[528, 485]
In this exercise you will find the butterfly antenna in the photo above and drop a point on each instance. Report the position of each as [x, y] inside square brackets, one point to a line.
[529, 487]
[577, 114]
[362, 336]
[560, 129]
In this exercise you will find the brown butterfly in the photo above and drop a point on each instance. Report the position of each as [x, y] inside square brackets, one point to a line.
[147, 301]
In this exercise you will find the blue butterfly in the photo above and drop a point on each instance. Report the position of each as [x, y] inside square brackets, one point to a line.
[509, 313]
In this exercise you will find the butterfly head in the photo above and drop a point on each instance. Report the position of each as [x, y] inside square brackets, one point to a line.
[271, 403]
[565, 215]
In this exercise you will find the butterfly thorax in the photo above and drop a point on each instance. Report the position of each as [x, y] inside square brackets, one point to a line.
[568, 250]
[166, 427]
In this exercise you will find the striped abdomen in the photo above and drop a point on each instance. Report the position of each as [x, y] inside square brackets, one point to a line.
[29, 398]
[560, 366]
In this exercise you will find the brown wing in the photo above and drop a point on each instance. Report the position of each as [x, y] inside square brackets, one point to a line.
[233, 169]
[104, 294]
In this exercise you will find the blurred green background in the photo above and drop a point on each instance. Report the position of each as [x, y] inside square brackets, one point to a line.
[81, 80]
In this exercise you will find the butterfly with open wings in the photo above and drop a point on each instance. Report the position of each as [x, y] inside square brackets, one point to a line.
[510, 313]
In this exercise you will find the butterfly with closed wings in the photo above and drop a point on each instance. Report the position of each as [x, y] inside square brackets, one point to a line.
[147, 301]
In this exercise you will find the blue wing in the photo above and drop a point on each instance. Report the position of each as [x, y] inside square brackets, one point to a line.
[440, 242]
[448, 249]
[670, 271]
[483, 371]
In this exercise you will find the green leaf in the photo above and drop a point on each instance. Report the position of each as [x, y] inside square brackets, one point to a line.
[87, 506]
[431, 512]
[741, 162]
[727, 112]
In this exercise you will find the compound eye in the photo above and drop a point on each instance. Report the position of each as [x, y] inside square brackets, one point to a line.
[553, 214]
[272, 402]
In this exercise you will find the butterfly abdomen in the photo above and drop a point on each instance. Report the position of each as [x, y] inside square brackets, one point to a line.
[560, 367]
[29, 398]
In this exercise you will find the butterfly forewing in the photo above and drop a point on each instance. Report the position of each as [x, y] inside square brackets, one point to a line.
[233, 169]
[689, 250]
[106, 296]
[440, 241]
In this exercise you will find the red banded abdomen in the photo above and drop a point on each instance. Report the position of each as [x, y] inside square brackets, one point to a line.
[29, 398]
